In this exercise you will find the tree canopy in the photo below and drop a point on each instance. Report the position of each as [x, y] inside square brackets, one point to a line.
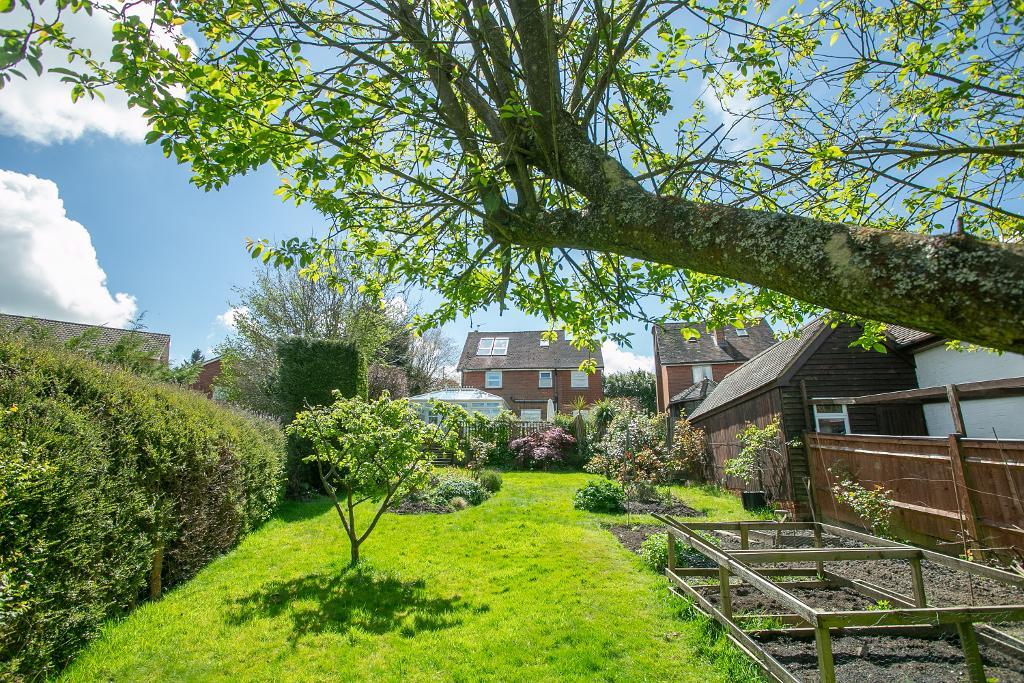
[583, 159]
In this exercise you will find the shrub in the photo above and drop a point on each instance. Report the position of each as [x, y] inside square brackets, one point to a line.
[654, 553]
[309, 370]
[873, 505]
[458, 503]
[98, 469]
[450, 486]
[381, 378]
[543, 450]
[490, 480]
[600, 496]
[688, 453]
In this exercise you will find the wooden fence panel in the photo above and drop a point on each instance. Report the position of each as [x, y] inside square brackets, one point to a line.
[925, 484]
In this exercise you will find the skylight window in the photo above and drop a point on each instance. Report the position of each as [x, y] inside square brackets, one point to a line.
[741, 332]
[485, 346]
[500, 346]
[544, 342]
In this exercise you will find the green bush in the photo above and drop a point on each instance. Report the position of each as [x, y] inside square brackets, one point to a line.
[308, 371]
[490, 480]
[654, 553]
[451, 486]
[600, 496]
[98, 468]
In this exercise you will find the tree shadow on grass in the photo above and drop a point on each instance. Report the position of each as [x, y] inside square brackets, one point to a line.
[354, 599]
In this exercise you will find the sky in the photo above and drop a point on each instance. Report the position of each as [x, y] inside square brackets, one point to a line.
[97, 227]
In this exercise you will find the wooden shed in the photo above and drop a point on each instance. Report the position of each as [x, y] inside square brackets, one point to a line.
[818, 361]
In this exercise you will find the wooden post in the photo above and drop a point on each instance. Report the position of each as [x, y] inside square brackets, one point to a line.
[953, 396]
[820, 566]
[744, 537]
[823, 645]
[671, 550]
[969, 642]
[723, 589]
[964, 500]
[920, 599]
[155, 571]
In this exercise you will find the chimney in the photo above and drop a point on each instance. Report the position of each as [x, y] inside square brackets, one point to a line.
[720, 338]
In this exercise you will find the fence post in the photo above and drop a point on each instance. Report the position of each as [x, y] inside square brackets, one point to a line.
[964, 500]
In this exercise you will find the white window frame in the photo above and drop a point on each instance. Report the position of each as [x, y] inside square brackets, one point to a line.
[545, 382]
[485, 346]
[579, 380]
[742, 332]
[701, 372]
[532, 411]
[545, 342]
[489, 375]
[500, 347]
[843, 415]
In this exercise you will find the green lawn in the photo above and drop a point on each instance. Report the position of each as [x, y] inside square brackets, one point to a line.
[522, 587]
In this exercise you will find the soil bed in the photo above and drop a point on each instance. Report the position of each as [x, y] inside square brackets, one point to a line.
[415, 504]
[633, 535]
[676, 507]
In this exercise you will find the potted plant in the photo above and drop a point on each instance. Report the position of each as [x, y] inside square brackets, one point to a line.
[757, 444]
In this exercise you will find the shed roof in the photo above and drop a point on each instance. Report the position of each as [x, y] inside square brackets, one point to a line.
[694, 392]
[674, 350]
[525, 352]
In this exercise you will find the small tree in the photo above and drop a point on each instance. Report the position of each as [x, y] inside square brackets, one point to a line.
[366, 451]
[758, 445]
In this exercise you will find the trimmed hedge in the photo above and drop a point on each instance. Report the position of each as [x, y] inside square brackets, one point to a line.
[309, 370]
[98, 468]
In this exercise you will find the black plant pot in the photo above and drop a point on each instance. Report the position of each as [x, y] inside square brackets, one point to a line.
[754, 500]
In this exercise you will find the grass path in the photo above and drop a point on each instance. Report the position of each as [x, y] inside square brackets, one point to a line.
[521, 588]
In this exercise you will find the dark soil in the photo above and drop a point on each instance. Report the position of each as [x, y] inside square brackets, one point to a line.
[633, 535]
[661, 507]
[414, 504]
[866, 659]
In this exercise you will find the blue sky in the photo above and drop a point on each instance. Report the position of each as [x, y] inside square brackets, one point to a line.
[97, 227]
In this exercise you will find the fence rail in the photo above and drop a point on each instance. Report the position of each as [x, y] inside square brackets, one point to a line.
[946, 490]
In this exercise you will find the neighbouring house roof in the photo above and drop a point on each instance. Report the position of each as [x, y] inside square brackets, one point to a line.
[62, 331]
[761, 370]
[673, 349]
[526, 353]
[907, 336]
[456, 395]
[694, 392]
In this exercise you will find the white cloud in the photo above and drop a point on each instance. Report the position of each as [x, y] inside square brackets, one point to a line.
[49, 266]
[733, 112]
[396, 307]
[40, 108]
[619, 360]
[229, 318]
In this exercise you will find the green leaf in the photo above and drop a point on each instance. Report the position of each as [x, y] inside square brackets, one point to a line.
[6, 6]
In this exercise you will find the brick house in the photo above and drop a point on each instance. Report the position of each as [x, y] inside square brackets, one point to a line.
[679, 364]
[528, 371]
[204, 382]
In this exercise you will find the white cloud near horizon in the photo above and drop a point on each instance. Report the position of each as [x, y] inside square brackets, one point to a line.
[39, 108]
[229, 318]
[619, 360]
[50, 267]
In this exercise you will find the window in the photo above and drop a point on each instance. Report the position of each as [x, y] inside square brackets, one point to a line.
[544, 342]
[492, 379]
[531, 415]
[544, 379]
[500, 346]
[701, 372]
[741, 332]
[485, 346]
[831, 419]
[580, 380]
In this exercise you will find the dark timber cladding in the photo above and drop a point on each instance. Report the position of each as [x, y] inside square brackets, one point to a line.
[821, 358]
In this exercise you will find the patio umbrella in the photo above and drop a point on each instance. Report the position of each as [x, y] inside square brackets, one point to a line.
[551, 410]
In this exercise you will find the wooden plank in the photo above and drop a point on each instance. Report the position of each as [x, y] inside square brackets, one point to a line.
[769, 571]
[724, 592]
[926, 615]
[750, 525]
[748, 645]
[792, 619]
[920, 598]
[1010, 386]
[823, 647]
[953, 396]
[964, 499]
[824, 554]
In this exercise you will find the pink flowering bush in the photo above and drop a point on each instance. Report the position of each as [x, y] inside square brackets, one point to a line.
[543, 450]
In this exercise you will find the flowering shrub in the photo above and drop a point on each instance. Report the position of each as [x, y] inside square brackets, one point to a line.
[542, 450]
[632, 451]
[688, 453]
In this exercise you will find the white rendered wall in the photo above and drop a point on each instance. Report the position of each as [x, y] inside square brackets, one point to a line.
[939, 366]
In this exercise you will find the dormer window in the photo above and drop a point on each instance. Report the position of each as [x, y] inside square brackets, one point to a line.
[492, 346]
[544, 342]
[741, 332]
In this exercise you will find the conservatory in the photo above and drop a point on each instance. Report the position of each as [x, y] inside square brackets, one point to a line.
[472, 400]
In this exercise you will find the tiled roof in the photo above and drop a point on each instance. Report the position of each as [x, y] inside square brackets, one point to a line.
[62, 331]
[761, 370]
[526, 353]
[694, 392]
[674, 350]
[907, 336]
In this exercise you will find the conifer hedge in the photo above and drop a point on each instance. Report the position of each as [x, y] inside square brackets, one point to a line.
[98, 469]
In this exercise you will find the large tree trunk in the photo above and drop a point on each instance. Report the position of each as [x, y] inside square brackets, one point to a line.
[955, 286]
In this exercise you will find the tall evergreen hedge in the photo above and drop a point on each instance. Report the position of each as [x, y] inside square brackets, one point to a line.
[309, 370]
[98, 468]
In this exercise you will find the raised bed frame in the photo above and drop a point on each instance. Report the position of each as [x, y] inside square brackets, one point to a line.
[911, 614]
